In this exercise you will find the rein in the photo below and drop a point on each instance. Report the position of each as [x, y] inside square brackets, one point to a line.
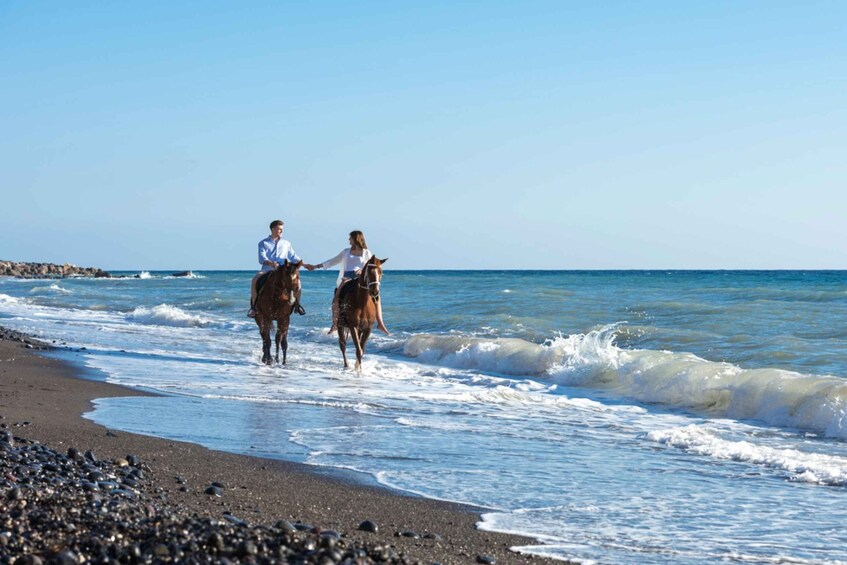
[365, 275]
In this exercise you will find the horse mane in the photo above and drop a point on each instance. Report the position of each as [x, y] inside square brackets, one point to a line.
[279, 281]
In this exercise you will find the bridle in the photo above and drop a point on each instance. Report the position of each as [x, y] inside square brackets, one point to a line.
[365, 281]
[289, 274]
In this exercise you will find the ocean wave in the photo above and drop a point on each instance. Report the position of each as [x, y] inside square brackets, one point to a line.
[510, 356]
[804, 467]
[189, 275]
[51, 289]
[8, 300]
[681, 380]
[747, 294]
[166, 315]
[147, 275]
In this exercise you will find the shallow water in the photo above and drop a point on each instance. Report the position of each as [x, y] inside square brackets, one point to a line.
[619, 417]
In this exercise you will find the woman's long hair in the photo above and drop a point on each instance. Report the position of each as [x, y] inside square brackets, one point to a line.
[358, 239]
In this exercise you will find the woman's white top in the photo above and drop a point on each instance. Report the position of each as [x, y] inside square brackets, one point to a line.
[348, 262]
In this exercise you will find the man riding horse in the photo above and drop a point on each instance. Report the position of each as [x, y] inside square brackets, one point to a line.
[273, 251]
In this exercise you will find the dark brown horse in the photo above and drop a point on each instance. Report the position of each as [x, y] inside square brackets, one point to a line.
[357, 308]
[275, 302]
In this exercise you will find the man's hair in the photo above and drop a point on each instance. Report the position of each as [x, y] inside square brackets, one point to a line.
[276, 223]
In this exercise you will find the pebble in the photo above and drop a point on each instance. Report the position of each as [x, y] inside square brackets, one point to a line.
[214, 491]
[368, 526]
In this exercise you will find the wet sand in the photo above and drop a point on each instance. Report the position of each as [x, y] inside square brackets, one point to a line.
[43, 399]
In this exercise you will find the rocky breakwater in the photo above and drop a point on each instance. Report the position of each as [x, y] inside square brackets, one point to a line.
[48, 270]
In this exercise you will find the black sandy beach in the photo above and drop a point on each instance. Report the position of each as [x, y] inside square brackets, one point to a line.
[72, 491]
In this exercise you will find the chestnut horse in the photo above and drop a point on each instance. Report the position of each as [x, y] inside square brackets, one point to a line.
[275, 302]
[357, 308]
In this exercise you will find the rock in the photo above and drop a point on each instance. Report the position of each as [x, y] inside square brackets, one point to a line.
[215, 540]
[285, 526]
[65, 558]
[246, 548]
[368, 526]
[485, 560]
[214, 491]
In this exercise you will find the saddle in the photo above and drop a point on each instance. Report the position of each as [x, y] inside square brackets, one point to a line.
[260, 282]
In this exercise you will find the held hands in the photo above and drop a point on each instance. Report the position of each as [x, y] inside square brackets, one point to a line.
[309, 267]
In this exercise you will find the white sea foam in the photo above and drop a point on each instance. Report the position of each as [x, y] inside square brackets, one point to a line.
[803, 466]
[508, 356]
[51, 289]
[166, 315]
[7, 300]
[776, 396]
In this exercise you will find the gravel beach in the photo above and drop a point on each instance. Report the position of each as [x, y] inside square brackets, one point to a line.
[75, 492]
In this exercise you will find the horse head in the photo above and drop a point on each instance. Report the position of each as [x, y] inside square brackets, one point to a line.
[288, 274]
[371, 276]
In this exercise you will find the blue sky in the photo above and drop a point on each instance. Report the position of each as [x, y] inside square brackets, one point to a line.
[549, 135]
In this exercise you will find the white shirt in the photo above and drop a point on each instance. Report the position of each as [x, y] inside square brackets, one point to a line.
[348, 262]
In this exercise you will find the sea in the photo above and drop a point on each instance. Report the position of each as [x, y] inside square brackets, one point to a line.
[620, 417]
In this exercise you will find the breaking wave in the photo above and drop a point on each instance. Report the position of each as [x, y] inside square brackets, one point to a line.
[681, 380]
[803, 466]
[167, 315]
[50, 289]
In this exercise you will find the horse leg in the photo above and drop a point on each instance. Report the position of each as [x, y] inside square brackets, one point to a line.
[342, 344]
[265, 331]
[363, 339]
[282, 330]
[277, 338]
[357, 341]
[366, 333]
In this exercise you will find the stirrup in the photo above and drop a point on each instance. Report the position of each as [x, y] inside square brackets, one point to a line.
[299, 309]
[251, 313]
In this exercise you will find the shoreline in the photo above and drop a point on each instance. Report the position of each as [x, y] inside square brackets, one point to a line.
[43, 398]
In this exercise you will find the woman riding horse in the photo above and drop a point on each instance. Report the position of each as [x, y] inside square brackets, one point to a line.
[358, 304]
[351, 261]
